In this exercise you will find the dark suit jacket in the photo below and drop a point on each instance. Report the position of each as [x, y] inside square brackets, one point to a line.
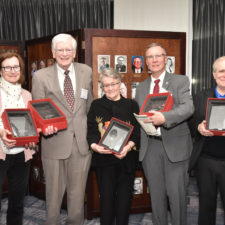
[45, 84]
[175, 132]
[200, 102]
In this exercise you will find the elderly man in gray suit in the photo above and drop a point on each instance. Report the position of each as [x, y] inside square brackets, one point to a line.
[165, 156]
[65, 155]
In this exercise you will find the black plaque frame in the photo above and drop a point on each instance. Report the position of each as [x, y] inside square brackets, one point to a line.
[116, 135]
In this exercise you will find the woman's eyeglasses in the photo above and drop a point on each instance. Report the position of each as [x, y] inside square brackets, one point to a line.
[10, 68]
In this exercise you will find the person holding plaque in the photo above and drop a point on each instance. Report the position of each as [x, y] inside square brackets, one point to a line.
[115, 172]
[165, 155]
[208, 157]
[66, 157]
[14, 161]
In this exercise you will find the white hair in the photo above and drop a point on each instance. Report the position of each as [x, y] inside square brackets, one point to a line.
[64, 37]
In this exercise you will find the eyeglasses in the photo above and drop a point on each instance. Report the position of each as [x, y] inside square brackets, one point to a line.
[9, 68]
[110, 85]
[154, 56]
[61, 51]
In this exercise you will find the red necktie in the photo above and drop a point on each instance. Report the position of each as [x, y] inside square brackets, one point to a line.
[68, 90]
[156, 87]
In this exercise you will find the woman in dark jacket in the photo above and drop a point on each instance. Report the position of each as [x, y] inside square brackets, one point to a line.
[115, 172]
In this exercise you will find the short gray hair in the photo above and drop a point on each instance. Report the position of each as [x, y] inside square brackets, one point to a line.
[109, 72]
[215, 63]
[64, 37]
[155, 45]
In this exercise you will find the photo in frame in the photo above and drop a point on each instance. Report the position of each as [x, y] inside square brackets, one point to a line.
[170, 64]
[157, 102]
[138, 186]
[133, 89]
[215, 116]
[42, 64]
[116, 135]
[120, 63]
[21, 123]
[33, 67]
[47, 113]
[103, 62]
[137, 64]
[46, 110]
[50, 62]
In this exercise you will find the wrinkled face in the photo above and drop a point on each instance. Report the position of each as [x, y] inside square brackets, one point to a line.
[219, 74]
[156, 60]
[10, 70]
[64, 54]
[137, 63]
[111, 88]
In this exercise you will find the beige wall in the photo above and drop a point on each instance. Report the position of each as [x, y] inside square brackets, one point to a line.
[156, 15]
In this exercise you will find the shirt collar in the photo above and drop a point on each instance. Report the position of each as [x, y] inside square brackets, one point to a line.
[161, 77]
[218, 95]
[62, 70]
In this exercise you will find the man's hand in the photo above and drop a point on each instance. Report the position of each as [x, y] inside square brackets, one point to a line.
[203, 131]
[157, 118]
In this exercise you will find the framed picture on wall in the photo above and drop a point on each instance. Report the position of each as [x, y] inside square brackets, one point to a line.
[170, 64]
[121, 63]
[103, 62]
[137, 64]
[138, 186]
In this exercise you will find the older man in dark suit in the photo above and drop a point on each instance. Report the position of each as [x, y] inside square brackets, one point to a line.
[165, 156]
[65, 155]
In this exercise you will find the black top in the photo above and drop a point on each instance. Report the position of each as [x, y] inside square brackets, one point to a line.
[101, 111]
[211, 147]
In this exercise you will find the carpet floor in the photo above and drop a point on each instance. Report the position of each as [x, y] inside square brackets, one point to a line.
[34, 211]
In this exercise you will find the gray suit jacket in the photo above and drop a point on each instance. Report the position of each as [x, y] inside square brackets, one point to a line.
[45, 84]
[175, 133]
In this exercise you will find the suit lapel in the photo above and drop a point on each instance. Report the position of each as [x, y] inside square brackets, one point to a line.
[146, 88]
[166, 81]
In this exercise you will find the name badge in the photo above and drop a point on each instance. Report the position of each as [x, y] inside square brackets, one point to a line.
[84, 93]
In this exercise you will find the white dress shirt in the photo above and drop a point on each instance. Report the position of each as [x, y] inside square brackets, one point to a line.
[61, 77]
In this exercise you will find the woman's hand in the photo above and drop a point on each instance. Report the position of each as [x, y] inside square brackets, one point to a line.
[100, 149]
[8, 142]
[128, 147]
[203, 131]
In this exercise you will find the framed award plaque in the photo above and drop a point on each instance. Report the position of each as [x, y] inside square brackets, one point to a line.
[116, 135]
[162, 102]
[215, 115]
[21, 123]
[47, 113]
